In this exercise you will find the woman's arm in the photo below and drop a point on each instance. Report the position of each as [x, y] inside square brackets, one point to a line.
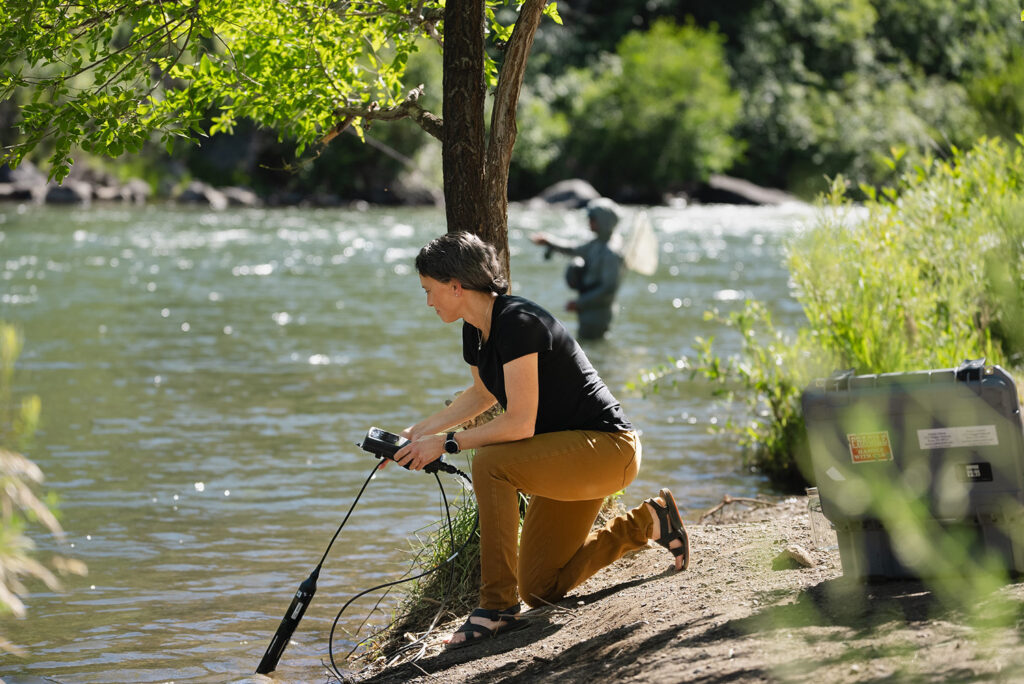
[517, 422]
[469, 404]
[520, 417]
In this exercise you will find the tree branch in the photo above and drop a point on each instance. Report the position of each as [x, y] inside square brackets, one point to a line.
[408, 109]
[503, 117]
[510, 81]
[428, 20]
[726, 500]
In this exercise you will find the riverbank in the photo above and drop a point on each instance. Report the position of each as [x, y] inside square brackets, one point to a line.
[85, 185]
[733, 618]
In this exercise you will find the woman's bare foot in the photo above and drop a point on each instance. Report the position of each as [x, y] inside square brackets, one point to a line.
[656, 532]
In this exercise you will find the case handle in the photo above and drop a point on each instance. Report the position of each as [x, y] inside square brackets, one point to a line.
[970, 370]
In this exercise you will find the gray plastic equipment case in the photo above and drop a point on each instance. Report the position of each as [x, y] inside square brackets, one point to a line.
[947, 444]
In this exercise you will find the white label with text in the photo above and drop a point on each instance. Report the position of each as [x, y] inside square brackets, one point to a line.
[949, 438]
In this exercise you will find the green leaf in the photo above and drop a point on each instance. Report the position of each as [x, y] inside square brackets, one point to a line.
[551, 10]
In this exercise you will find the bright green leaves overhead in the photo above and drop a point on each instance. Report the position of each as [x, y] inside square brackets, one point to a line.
[109, 74]
[551, 12]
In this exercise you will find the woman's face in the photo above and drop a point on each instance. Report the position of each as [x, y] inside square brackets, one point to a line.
[442, 299]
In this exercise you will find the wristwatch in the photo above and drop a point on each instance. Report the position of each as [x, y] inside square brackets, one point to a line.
[450, 445]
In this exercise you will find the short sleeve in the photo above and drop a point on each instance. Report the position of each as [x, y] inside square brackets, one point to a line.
[522, 333]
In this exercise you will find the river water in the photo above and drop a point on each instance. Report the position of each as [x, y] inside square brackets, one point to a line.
[205, 377]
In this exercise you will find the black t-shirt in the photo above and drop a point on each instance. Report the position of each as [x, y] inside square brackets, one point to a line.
[572, 395]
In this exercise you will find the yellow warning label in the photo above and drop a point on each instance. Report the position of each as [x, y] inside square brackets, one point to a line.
[866, 447]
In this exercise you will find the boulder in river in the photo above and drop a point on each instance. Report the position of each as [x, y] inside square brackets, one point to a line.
[728, 190]
[241, 197]
[69, 192]
[198, 192]
[25, 183]
[572, 193]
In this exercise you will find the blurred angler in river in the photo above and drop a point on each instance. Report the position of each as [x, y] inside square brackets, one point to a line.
[595, 269]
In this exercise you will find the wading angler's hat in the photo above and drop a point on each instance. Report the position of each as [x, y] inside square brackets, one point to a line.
[605, 213]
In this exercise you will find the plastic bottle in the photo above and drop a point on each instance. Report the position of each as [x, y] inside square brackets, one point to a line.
[823, 534]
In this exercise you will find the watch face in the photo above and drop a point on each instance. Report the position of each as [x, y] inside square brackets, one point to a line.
[451, 446]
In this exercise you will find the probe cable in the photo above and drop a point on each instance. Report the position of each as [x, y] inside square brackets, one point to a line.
[345, 520]
[451, 534]
[307, 589]
[303, 597]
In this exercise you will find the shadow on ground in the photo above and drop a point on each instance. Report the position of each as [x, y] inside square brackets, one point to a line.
[714, 628]
[860, 607]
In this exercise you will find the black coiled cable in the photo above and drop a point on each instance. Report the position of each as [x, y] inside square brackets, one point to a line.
[433, 469]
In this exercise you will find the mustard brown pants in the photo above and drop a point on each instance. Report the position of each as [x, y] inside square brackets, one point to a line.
[567, 475]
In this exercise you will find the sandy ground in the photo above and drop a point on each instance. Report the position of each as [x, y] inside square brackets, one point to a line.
[733, 618]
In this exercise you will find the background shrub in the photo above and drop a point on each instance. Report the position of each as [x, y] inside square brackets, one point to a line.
[926, 274]
[654, 117]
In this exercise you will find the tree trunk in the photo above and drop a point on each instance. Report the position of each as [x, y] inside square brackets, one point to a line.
[462, 141]
[503, 124]
[475, 176]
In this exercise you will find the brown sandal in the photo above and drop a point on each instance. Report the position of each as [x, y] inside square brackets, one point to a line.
[672, 527]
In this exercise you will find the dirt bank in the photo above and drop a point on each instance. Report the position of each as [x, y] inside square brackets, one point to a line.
[732, 618]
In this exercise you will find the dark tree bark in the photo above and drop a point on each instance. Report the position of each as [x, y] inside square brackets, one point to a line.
[475, 173]
[462, 140]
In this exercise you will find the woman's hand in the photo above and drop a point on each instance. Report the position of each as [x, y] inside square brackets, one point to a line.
[410, 434]
[420, 452]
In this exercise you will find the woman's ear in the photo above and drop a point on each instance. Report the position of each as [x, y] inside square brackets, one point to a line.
[456, 287]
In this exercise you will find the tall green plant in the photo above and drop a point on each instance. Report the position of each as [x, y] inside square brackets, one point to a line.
[20, 504]
[907, 281]
[766, 379]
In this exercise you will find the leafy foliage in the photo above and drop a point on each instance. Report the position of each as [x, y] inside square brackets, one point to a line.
[107, 75]
[20, 504]
[351, 166]
[766, 379]
[655, 115]
[830, 87]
